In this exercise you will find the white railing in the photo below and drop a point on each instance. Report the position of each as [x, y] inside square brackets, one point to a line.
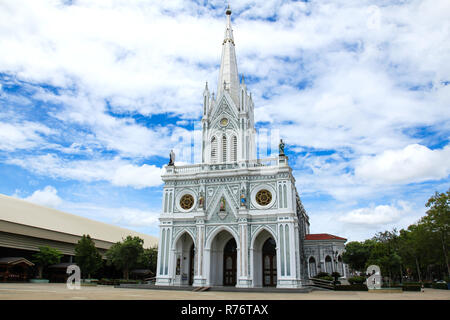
[203, 167]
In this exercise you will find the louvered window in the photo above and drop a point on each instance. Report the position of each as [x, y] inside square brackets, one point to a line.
[214, 150]
[234, 149]
[224, 149]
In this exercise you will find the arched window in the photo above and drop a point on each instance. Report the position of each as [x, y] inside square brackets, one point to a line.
[234, 149]
[213, 150]
[224, 148]
[328, 265]
[312, 267]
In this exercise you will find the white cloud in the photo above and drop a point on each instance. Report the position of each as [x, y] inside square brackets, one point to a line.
[414, 163]
[25, 135]
[137, 176]
[378, 215]
[47, 197]
[116, 171]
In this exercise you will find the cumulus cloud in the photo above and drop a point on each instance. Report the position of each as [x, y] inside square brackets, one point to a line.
[377, 215]
[25, 135]
[414, 163]
[47, 197]
[116, 171]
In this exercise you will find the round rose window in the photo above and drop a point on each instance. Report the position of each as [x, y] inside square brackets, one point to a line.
[263, 197]
[186, 201]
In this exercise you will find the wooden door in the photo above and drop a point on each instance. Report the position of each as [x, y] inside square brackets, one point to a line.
[229, 263]
[269, 263]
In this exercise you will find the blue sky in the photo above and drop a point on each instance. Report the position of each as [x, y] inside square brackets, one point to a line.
[95, 94]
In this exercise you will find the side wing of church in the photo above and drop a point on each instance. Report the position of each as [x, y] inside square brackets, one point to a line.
[233, 219]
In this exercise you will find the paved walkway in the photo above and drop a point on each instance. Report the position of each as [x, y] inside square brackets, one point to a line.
[59, 291]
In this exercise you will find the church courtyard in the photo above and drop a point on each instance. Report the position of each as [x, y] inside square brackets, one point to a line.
[59, 291]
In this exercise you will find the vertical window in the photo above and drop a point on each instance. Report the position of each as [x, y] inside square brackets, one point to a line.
[163, 241]
[213, 150]
[288, 262]
[282, 249]
[279, 196]
[312, 267]
[166, 267]
[165, 202]
[224, 149]
[285, 195]
[170, 201]
[234, 149]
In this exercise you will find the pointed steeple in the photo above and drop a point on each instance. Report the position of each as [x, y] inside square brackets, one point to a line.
[228, 76]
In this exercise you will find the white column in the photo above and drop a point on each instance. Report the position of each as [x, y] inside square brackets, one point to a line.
[201, 265]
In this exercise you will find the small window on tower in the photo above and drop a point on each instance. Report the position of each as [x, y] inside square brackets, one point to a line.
[213, 150]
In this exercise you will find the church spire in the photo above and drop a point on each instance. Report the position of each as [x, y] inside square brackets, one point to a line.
[228, 77]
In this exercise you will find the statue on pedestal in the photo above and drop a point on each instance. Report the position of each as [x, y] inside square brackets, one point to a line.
[222, 204]
[243, 198]
[171, 158]
[281, 147]
[201, 201]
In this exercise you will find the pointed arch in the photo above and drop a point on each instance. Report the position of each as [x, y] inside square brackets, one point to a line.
[258, 231]
[180, 234]
[216, 231]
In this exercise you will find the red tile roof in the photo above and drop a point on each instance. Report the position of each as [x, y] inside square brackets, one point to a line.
[322, 236]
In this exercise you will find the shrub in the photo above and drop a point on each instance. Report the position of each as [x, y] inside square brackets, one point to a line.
[357, 280]
[352, 287]
[412, 286]
[336, 274]
[329, 278]
[322, 274]
[440, 286]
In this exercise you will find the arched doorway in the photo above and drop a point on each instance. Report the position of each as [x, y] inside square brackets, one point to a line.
[221, 250]
[229, 263]
[263, 252]
[312, 267]
[184, 260]
[191, 265]
[269, 263]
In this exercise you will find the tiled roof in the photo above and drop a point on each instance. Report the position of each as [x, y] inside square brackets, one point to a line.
[322, 236]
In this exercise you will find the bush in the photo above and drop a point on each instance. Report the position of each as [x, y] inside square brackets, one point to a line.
[357, 280]
[115, 282]
[442, 286]
[412, 286]
[352, 287]
[336, 274]
[329, 278]
[322, 274]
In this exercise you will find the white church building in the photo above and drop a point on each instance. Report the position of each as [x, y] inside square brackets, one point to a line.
[233, 219]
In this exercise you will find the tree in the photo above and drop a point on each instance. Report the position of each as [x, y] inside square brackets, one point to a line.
[152, 255]
[45, 257]
[438, 220]
[126, 255]
[357, 253]
[87, 256]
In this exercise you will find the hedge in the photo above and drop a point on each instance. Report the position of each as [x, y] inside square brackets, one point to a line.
[117, 281]
[357, 280]
[411, 286]
[440, 286]
[352, 287]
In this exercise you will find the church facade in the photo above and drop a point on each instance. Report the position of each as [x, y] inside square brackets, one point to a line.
[233, 219]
